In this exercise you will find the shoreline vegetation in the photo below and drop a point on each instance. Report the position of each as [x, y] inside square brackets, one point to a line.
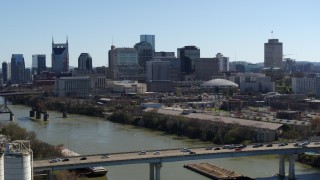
[126, 112]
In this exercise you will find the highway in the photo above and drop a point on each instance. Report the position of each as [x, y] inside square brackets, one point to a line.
[167, 155]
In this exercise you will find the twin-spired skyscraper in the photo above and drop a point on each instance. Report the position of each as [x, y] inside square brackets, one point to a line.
[60, 57]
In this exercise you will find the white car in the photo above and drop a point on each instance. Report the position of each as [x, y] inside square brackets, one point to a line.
[157, 153]
[185, 150]
[142, 153]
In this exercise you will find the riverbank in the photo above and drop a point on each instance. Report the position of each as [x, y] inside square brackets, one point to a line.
[312, 159]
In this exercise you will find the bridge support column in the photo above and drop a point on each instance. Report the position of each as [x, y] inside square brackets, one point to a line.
[31, 113]
[281, 165]
[64, 114]
[38, 115]
[291, 167]
[45, 117]
[155, 167]
[151, 174]
[158, 167]
[11, 117]
[49, 174]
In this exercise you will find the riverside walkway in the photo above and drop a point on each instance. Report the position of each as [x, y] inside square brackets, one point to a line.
[155, 158]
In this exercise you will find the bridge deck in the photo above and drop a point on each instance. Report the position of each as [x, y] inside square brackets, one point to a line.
[167, 155]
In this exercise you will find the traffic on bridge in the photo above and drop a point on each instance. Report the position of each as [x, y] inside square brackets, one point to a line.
[156, 157]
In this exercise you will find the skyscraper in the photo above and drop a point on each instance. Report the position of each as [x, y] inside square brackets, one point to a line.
[17, 69]
[38, 63]
[158, 70]
[145, 52]
[188, 54]
[149, 39]
[273, 54]
[85, 61]
[123, 63]
[4, 72]
[60, 57]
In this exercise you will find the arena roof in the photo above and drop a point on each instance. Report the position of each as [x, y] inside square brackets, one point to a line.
[219, 83]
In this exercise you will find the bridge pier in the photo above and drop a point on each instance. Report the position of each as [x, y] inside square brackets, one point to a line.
[281, 166]
[11, 117]
[45, 117]
[151, 174]
[155, 167]
[31, 113]
[64, 114]
[49, 174]
[38, 115]
[291, 167]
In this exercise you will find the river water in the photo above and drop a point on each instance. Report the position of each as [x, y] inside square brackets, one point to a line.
[89, 135]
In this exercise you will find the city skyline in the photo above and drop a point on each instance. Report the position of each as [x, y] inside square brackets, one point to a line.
[236, 29]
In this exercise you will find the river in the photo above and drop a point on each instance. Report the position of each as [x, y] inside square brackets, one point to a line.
[89, 135]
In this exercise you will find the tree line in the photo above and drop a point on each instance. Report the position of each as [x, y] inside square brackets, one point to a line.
[40, 149]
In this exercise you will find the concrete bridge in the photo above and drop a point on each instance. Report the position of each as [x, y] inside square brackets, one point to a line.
[156, 159]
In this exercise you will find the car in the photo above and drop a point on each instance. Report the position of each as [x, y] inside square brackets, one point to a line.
[238, 149]
[216, 148]
[157, 153]
[255, 146]
[83, 158]
[105, 156]
[283, 144]
[185, 150]
[316, 143]
[269, 145]
[192, 152]
[54, 160]
[231, 146]
[208, 148]
[142, 153]
[65, 159]
[240, 146]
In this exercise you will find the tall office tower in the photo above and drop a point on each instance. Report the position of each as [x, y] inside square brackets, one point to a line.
[38, 63]
[85, 61]
[4, 72]
[149, 39]
[17, 69]
[111, 58]
[158, 70]
[145, 52]
[123, 62]
[223, 62]
[27, 75]
[60, 57]
[273, 54]
[188, 54]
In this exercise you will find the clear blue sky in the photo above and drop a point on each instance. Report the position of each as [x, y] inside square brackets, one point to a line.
[236, 28]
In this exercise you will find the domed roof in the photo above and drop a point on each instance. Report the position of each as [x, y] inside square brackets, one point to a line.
[219, 83]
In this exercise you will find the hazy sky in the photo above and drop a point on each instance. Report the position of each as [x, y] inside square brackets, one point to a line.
[236, 28]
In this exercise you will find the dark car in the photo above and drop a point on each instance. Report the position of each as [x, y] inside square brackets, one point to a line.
[255, 146]
[269, 145]
[83, 158]
[283, 144]
[65, 159]
[216, 148]
[192, 152]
